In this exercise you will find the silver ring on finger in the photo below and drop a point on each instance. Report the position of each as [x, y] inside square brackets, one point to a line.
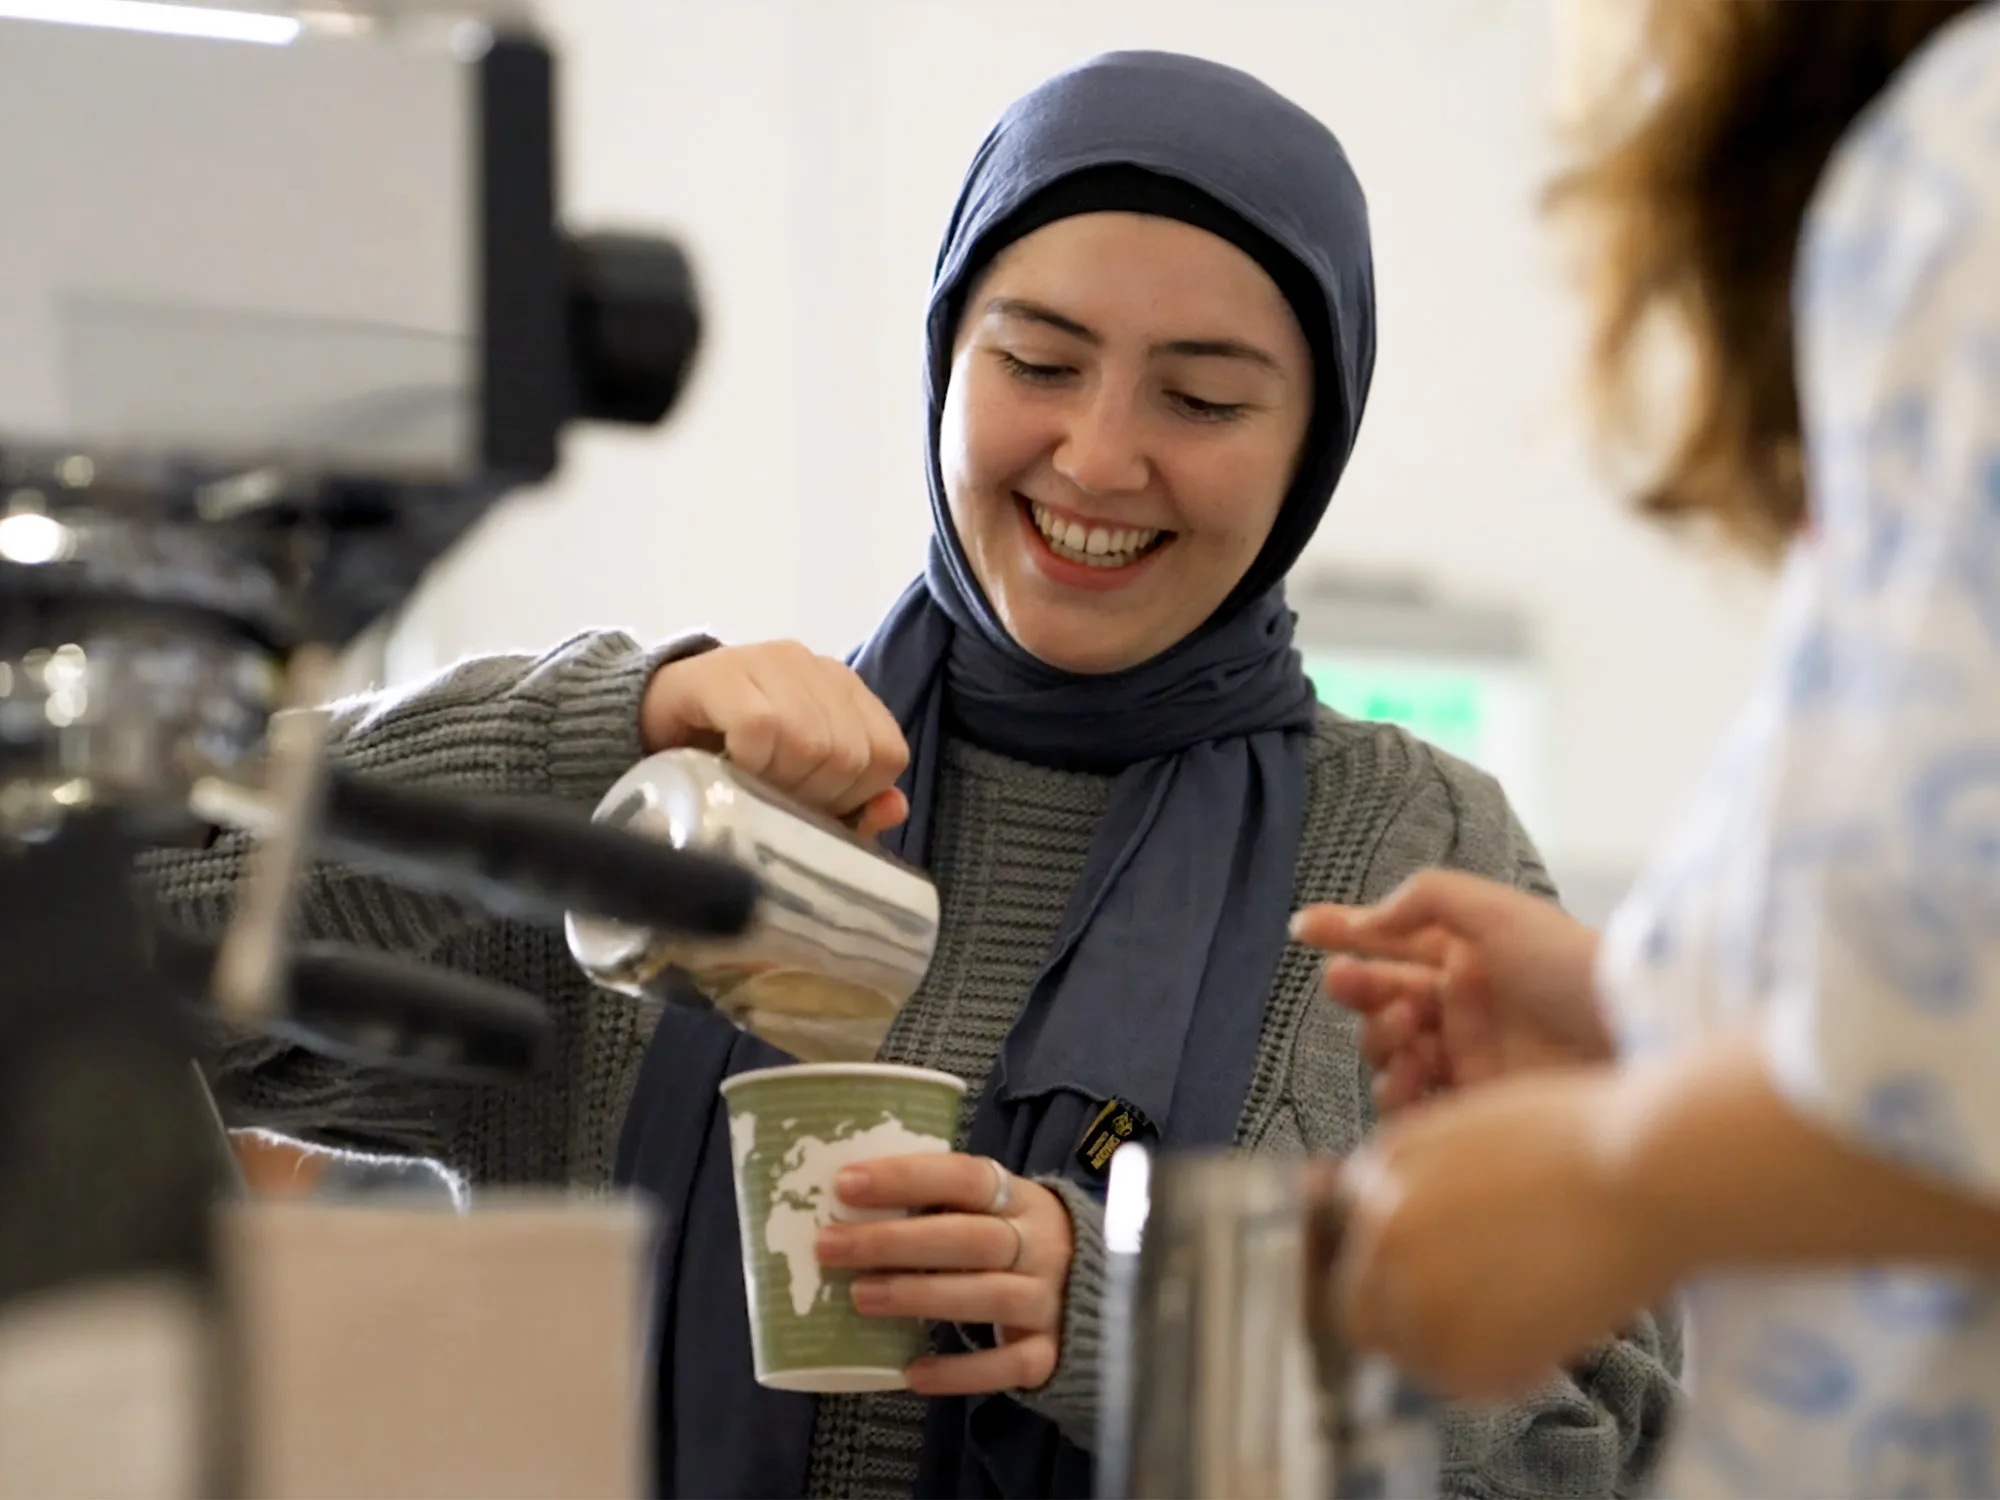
[1020, 1244]
[1003, 1188]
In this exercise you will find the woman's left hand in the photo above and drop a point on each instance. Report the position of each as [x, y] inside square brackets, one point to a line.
[984, 1245]
[1492, 1237]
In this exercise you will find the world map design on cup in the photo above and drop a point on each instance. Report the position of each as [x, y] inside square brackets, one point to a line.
[791, 1130]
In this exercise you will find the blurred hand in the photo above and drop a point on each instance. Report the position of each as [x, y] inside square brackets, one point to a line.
[1460, 980]
[955, 1261]
[804, 724]
[276, 1166]
[1522, 1170]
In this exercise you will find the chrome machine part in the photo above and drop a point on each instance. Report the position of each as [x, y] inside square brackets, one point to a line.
[136, 654]
[249, 982]
[299, 279]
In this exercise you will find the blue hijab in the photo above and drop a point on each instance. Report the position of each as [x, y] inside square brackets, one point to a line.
[1154, 990]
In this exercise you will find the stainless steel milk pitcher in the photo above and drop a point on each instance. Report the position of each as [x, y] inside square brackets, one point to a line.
[1221, 1375]
[843, 933]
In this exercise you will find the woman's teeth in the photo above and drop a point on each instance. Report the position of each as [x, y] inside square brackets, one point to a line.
[1096, 546]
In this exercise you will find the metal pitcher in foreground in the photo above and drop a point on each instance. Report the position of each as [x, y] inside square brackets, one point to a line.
[843, 933]
[1222, 1375]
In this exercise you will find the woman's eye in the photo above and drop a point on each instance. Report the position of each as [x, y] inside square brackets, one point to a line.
[1208, 411]
[1020, 369]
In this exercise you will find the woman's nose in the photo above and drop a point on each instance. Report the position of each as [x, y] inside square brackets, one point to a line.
[1101, 452]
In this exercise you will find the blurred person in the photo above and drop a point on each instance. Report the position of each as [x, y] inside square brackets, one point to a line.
[1804, 989]
[1150, 341]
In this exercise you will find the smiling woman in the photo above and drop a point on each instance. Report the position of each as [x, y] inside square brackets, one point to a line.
[1129, 398]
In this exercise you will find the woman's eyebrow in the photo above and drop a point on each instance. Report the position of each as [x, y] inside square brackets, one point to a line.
[1021, 310]
[1218, 349]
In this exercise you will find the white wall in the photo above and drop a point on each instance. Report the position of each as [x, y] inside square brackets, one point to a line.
[809, 152]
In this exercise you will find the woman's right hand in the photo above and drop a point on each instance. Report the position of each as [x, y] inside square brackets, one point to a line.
[804, 724]
[1459, 980]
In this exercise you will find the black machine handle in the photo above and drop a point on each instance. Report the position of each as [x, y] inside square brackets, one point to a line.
[511, 856]
[364, 1005]
[374, 1007]
[518, 857]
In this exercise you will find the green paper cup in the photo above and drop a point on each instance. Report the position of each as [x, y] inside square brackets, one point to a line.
[790, 1130]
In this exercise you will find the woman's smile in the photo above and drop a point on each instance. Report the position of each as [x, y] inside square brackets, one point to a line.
[1088, 553]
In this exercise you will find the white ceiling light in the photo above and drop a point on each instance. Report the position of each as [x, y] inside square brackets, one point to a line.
[159, 18]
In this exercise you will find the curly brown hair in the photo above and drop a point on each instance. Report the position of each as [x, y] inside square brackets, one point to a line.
[1694, 170]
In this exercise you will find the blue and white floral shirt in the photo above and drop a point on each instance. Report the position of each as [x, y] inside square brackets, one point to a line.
[1837, 883]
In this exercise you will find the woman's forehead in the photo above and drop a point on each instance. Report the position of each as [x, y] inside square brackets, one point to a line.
[1139, 272]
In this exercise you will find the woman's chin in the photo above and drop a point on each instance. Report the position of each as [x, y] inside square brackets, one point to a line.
[1073, 631]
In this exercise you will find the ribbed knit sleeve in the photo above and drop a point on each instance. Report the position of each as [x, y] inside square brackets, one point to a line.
[563, 725]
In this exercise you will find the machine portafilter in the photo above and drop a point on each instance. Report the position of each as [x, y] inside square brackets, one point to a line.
[285, 307]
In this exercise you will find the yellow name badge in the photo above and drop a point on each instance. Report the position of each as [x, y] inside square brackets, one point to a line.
[1116, 1123]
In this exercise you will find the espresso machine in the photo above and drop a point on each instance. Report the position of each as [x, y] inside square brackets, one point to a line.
[286, 305]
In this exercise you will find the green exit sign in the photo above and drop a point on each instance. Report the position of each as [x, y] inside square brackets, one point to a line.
[1439, 704]
[1490, 710]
